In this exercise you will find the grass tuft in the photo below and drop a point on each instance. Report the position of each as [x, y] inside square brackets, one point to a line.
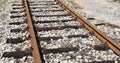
[2, 2]
[116, 0]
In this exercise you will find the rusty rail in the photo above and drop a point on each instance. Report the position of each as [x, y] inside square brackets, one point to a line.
[100, 35]
[35, 52]
[104, 38]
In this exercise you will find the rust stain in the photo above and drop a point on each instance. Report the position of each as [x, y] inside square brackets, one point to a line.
[35, 51]
[99, 34]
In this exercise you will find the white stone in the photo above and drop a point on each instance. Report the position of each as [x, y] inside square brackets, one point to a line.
[79, 57]
[56, 60]
[24, 47]
[116, 61]
[86, 60]
[12, 61]
[64, 61]
[68, 57]
[93, 50]
[1, 61]
[71, 52]
[24, 58]
[117, 29]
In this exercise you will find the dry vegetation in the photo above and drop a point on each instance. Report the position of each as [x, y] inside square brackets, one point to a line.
[2, 2]
[116, 0]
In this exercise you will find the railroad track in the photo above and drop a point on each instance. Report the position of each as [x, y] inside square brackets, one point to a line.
[57, 34]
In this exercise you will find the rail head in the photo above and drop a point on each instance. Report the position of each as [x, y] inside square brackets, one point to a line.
[100, 35]
[35, 51]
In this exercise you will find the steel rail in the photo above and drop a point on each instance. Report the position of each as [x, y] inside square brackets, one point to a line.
[35, 51]
[100, 35]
